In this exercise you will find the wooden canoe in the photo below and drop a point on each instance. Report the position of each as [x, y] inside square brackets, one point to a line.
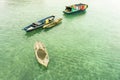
[41, 54]
[54, 23]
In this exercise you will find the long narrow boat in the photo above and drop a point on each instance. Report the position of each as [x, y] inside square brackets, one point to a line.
[41, 54]
[38, 24]
[75, 8]
[54, 23]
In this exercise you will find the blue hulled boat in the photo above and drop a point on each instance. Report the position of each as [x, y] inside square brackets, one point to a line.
[39, 24]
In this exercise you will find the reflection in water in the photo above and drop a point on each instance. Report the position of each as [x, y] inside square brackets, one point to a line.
[22, 2]
[18, 2]
[2, 4]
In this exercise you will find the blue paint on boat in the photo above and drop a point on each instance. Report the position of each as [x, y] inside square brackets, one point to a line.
[37, 25]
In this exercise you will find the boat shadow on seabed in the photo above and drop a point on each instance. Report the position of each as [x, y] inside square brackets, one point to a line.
[39, 30]
[76, 14]
[31, 33]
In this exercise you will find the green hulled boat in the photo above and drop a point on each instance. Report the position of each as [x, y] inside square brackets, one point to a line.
[75, 8]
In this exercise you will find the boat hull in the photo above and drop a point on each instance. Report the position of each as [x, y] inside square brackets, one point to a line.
[37, 25]
[65, 12]
[54, 23]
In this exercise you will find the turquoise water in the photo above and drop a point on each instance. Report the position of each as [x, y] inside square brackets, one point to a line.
[85, 46]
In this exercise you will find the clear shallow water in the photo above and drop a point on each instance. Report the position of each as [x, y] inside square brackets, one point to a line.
[85, 46]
